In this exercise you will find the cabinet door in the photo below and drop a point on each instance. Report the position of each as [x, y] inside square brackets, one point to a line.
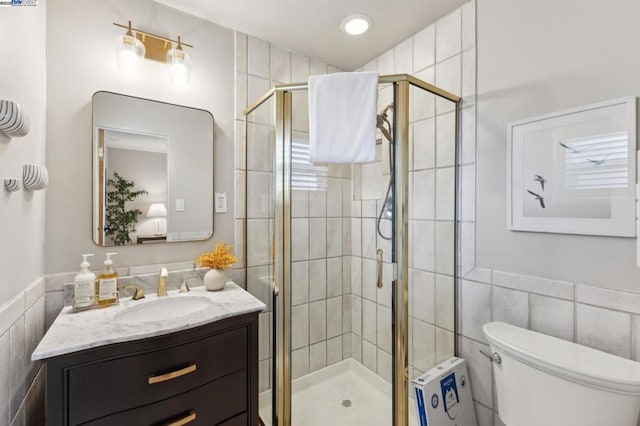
[102, 388]
[221, 402]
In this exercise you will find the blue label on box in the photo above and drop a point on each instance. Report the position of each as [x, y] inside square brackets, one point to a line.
[422, 414]
[449, 392]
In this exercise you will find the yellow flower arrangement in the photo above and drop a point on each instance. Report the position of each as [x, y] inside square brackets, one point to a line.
[220, 258]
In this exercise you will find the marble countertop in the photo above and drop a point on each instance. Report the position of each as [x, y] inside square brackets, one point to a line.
[76, 331]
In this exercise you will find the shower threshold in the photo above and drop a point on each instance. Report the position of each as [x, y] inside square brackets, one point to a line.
[343, 394]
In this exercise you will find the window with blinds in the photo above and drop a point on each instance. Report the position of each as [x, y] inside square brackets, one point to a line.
[596, 162]
[305, 175]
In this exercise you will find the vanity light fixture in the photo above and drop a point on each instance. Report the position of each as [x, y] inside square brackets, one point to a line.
[356, 24]
[137, 44]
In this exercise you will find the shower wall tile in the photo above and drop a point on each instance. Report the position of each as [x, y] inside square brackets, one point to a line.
[258, 58]
[318, 356]
[264, 339]
[300, 362]
[346, 347]
[317, 321]
[422, 295]
[424, 48]
[445, 193]
[299, 239]
[317, 204]
[346, 238]
[423, 103]
[445, 237]
[484, 415]
[448, 35]
[369, 355]
[356, 275]
[468, 137]
[551, 316]
[334, 198]
[383, 338]
[603, 329]
[448, 77]
[403, 57]
[369, 279]
[423, 195]
[356, 315]
[385, 365]
[475, 309]
[510, 306]
[334, 276]
[446, 139]
[444, 302]
[240, 95]
[468, 193]
[300, 326]
[335, 349]
[469, 77]
[467, 248]
[369, 323]
[423, 345]
[241, 52]
[423, 233]
[346, 313]
[334, 317]
[469, 25]
[317, 238]
[300, 68]
[318, 279]
[385, 65]
[481, 275]
[280, 65]
[445, 345]
[334, 237]
[356, 347]
[299, 283]
[424, 144]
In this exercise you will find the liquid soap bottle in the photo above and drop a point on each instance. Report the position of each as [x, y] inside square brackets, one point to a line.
[84, 287]
[107, 288]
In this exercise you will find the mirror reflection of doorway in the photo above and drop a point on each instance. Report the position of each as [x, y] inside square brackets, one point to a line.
[138, 160]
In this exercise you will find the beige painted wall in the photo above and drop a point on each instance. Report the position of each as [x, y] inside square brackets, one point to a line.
[81, 56]
[534, 58]
[22, 31]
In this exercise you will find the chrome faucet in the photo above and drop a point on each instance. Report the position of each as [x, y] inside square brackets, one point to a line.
[162, 282]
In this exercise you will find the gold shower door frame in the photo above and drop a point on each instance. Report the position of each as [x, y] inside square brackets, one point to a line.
[281, 286]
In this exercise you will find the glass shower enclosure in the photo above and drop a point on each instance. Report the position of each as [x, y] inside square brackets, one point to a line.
[357, 263]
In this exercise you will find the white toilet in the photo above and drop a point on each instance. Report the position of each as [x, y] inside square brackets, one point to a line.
[542, 380]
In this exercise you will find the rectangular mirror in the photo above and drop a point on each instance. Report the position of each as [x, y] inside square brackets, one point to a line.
[152, 171]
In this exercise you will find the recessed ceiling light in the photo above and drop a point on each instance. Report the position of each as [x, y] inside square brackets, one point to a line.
[356, 23]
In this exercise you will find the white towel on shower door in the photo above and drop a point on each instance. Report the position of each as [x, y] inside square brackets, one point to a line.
[342, 117]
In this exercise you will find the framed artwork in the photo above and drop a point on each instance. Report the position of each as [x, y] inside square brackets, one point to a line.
[574, 171]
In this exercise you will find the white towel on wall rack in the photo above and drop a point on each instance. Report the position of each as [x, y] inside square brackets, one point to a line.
[342, 117]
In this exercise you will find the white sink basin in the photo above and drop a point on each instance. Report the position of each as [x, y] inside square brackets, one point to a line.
[162, 309]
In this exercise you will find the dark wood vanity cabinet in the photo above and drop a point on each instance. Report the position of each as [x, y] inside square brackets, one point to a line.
[201, 376]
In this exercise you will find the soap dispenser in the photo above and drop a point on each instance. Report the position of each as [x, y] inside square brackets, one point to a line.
[84, 287]
[107, 288]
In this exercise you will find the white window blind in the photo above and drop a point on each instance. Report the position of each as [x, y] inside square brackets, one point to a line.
[305, 175]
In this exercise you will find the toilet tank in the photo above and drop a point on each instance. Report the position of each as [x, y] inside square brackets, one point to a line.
[543, 380]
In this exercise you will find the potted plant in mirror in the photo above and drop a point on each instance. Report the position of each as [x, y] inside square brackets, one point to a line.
[219, 260]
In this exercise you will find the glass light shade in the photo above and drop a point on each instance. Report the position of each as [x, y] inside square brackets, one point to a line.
[356, 24]
[179, 66]
[130, 52]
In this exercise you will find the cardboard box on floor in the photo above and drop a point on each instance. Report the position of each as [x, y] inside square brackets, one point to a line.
[443, 395]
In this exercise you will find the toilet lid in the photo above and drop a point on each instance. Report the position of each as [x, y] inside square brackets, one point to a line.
[564, 358]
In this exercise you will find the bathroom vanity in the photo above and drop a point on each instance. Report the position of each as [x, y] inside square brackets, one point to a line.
[122, 366]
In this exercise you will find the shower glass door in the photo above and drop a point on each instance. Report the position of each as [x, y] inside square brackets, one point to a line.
[259, 228]
[356, 263]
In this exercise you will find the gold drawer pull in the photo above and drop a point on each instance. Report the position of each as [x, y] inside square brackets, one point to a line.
[183, 421]
[172, 375]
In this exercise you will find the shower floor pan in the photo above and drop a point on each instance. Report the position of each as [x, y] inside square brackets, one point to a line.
[346, 393]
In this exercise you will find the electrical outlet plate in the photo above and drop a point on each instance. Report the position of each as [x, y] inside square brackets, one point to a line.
[221, 202]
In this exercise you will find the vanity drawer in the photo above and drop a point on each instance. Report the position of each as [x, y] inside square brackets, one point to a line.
[110, 386]
[221, 402]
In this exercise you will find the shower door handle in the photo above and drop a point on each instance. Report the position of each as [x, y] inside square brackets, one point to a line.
[379, 268]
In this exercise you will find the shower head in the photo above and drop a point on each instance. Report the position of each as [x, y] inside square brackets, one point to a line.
[382, 123]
